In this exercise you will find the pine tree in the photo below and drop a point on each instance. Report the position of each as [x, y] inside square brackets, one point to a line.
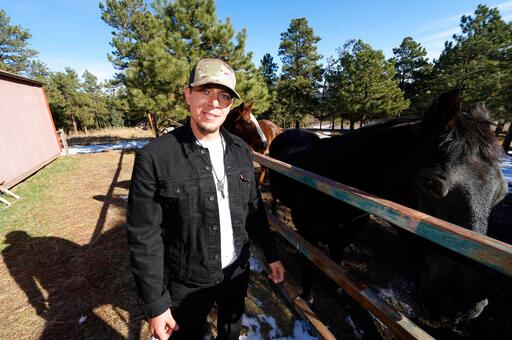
[366, 85]
[95, 101]
[472, 62]
[269, 70]
[67, 102]
[413, 72]
[15, 54]
[155, 51]
[301, 72]
[197, 33]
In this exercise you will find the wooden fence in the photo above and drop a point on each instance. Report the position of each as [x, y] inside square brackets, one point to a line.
[488, 251]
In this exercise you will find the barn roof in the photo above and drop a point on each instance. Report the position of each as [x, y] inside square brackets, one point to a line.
[15, 77]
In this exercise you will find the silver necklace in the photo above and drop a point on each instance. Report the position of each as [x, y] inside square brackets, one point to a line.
[220, 182]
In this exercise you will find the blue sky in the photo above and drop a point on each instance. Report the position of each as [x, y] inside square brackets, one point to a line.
[71, 32]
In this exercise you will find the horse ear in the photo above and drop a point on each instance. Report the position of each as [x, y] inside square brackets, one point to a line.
[246, 113]
[443, 113]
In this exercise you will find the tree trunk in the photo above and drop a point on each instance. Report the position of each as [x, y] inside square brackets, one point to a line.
[342, 122]
[508, 139]
[297, 124]
[352, 123]
[320, 124]
[499, 128]
[85, 129]
[361, 123]
[332, 125]
[152, 123]
[75, 125]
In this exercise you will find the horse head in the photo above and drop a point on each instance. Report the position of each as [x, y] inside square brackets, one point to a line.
[241, 122]
[457, 178]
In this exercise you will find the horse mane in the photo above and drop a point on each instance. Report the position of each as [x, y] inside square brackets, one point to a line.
[471, 138]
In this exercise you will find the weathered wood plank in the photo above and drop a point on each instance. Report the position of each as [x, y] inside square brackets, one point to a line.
[396, 321]
[486, 250]
[300, 306]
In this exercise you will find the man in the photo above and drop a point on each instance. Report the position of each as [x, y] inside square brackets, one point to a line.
[192, 208]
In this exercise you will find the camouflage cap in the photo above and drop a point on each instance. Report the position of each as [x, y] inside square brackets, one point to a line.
[213, 71]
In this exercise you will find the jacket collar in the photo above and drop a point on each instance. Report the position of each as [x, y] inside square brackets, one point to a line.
[187, 139]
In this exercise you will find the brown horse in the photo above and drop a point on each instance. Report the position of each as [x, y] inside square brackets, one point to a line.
[270, 129]
[257, 133]
[241, 122]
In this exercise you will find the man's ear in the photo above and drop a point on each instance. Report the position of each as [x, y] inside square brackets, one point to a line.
[186, 93]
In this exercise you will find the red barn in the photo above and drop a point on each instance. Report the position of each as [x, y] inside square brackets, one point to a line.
[28, 140]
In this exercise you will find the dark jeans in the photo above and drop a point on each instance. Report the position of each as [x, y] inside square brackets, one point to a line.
[191, 305]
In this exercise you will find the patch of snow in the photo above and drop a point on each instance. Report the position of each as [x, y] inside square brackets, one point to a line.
[125, 145]
[300, 330]
[254, 328]
[274, 330]
[255, 265]
[82, 319]
[506, 168]
[258, 302]
[357, 332]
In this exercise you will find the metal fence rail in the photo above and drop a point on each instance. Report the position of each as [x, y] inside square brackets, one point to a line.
[486, 250]
[395, 320]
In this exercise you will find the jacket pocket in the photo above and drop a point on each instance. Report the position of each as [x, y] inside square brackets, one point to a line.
[180, 201]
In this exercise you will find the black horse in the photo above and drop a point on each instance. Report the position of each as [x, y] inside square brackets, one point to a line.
[445, 164]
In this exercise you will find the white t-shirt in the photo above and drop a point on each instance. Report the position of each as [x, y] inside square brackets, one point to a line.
[227, 244]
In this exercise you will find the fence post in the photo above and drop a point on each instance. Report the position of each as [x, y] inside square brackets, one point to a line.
[64, 141]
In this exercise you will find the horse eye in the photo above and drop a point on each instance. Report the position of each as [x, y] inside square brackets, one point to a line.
[428, 183]
[433, 186]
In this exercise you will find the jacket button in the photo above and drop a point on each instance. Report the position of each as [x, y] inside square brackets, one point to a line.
[211, 198]
[202, 152]
[214, 228]
[178, 190]
[207, 168]
[216, 257]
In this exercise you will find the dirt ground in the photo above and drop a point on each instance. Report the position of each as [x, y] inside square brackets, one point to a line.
[64, 271]
[64, 263]
[381, 258]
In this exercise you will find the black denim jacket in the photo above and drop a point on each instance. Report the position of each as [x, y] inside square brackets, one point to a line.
[173, 217]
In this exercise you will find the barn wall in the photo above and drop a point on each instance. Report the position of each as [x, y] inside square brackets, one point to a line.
[28, 140]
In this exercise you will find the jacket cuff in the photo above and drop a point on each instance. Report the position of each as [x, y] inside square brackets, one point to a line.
[157, 307]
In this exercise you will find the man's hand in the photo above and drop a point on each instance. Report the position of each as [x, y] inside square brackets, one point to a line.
[162, 326]
[277, 274]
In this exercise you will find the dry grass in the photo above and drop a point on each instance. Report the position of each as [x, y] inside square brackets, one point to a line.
[53, 273]
[109, 135]
[64, 257]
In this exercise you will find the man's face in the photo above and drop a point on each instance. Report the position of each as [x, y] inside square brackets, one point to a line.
[208, 106]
